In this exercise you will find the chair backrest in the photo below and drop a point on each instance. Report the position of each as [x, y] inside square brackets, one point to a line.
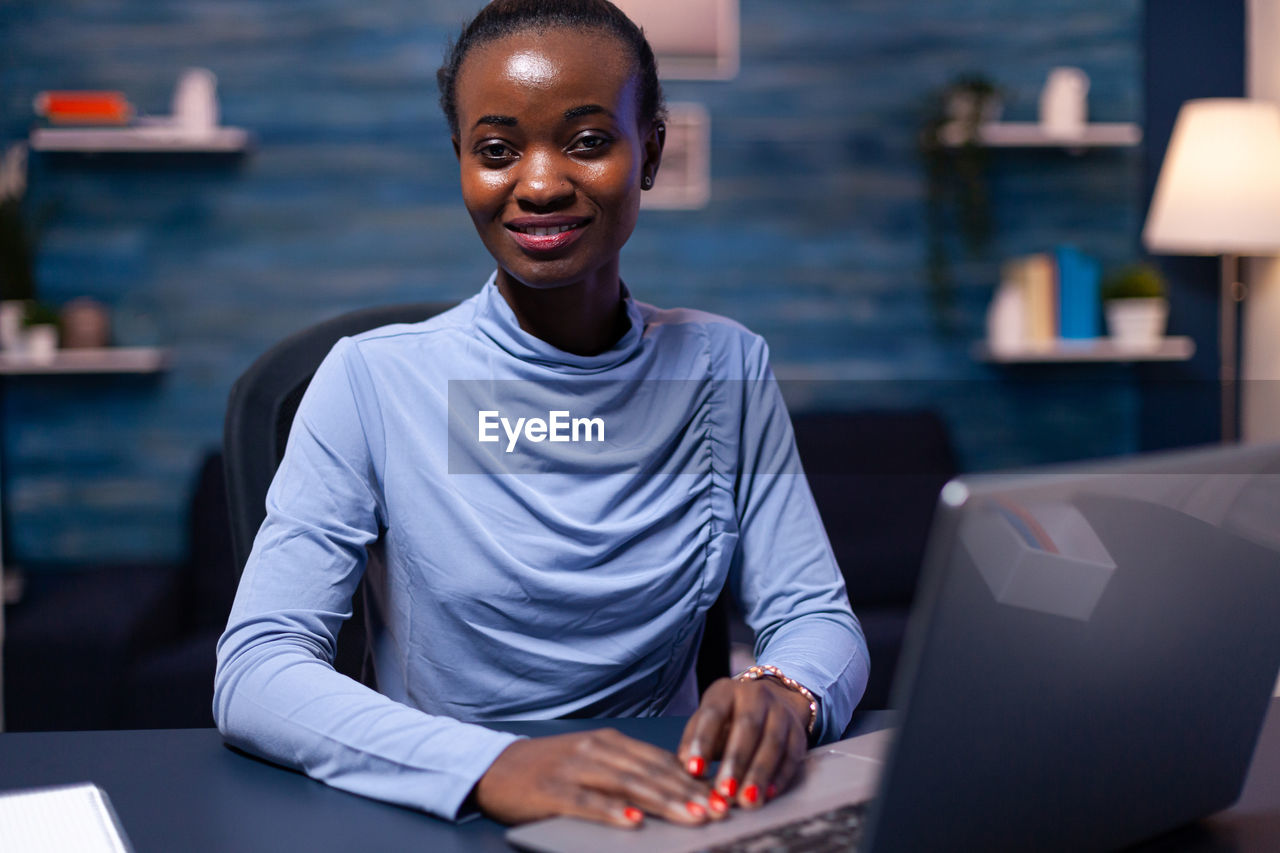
[264, 400]
[260, 412]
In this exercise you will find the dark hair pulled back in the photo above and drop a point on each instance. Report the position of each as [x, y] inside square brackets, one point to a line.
[502, 18]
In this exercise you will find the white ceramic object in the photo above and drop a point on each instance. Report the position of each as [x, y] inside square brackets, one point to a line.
[40, 343]
[195, 101]
[1064, 105]
[1137, 324]
[1006, 329]
[11, 313]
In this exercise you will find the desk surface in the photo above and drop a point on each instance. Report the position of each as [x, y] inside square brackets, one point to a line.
[183, 789]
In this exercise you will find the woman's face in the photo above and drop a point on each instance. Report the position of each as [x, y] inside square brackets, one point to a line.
[551, 153]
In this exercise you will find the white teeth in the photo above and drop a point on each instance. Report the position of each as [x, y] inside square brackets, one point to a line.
[547, 232]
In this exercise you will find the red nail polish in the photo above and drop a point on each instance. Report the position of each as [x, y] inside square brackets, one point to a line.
[633, 814]
[751, 792]
[695, 809]
[771, 792]
[730, 787]
[718, 803]
[697, 765]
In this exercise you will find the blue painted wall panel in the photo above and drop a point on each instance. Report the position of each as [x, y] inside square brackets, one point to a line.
[814, 236]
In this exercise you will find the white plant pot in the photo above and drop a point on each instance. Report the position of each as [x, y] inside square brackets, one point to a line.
[1137, 324]
[40, 344]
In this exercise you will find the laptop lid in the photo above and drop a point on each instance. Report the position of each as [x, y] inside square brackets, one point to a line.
[1091, 655]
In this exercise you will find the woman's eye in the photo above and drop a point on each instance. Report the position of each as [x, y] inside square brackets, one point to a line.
[590, 142]
[494, 151]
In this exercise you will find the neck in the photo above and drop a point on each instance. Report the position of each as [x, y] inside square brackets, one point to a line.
[580, 318]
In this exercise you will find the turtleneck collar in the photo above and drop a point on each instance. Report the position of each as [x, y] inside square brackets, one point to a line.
[496, 321]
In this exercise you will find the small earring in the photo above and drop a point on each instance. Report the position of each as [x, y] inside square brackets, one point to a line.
[646, 183]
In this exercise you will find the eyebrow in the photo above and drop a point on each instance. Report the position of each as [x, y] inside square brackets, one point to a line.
[569, 115]
[504, 121]
[585, 110]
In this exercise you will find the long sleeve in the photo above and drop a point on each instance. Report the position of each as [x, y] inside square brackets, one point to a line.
[785, 576]
[276, 692]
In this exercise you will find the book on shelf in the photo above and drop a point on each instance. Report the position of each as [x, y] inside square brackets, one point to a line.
[84, 107]
[1044, 298]
[1078, 298]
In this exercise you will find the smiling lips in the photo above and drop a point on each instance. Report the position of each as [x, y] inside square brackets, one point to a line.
[545, 233]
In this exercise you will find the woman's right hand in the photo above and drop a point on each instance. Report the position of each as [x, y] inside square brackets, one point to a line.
[599, 775]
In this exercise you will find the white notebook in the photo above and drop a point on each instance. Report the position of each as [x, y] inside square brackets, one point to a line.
[62, 819]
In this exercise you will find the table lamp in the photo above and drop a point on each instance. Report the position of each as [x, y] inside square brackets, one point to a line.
[1219, 194]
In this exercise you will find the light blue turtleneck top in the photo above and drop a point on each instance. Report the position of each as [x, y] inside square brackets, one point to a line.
[524, 575]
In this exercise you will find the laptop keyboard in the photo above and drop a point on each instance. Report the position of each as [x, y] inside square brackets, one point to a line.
[839, 829]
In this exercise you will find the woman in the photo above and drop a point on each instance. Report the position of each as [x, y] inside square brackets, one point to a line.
[575, 585]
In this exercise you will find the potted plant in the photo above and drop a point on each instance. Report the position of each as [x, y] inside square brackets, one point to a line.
[1137, 310]
[40, 336]
[955, 177]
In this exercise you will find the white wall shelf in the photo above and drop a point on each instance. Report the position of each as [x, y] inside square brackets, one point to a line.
[155, 139]
[104, 360]
[1033, 135]
[1176, 348]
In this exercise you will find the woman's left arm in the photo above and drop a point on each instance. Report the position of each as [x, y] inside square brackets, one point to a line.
[792, 594]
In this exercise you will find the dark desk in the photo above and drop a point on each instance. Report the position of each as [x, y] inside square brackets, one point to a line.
[182, 789]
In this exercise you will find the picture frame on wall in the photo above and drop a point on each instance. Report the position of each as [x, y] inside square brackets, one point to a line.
[684, 180]
[693, 39]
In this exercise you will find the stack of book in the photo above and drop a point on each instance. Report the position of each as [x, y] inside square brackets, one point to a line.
[1045, 298]
[84, 107]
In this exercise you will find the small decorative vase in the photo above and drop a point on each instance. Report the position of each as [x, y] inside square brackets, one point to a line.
[1137, 325]
[85, 324]
[1064, 108]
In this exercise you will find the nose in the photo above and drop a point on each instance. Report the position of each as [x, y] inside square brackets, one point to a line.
[543, 183]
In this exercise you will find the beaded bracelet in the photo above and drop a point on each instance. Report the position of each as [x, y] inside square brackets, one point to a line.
[765, 671]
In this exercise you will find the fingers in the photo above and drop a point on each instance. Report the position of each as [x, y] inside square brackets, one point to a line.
[650, 778]
[704, 735]
[593, 805]
[778, 756]
[745, 732]
[764, 739]
[756, 729]
[789, 772]
[599, 775]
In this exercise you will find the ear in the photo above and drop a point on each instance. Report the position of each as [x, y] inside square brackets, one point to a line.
[457, 149]
[654, 141]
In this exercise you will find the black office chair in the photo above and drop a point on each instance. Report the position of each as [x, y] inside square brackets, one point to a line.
[260, 412]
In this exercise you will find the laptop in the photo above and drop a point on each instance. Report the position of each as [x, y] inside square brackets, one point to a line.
[1089, 661]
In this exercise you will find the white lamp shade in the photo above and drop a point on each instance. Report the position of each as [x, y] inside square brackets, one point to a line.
[1219, 188]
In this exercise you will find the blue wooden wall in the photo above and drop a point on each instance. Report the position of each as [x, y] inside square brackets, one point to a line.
[814, 236]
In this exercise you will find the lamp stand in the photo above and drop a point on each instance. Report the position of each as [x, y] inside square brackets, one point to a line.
[1231, 293]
